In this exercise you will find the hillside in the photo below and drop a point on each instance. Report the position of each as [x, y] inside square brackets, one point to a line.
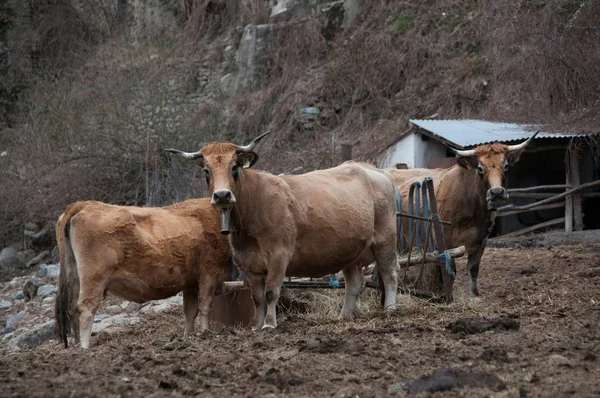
[92, 90]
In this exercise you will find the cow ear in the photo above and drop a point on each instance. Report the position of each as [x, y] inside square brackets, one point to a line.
[513, 157]
[468, 162]
[247, 159]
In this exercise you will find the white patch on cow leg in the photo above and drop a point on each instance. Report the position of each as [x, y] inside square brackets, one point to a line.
[386, 264]
[353, 278]
[86, 318]
[257, 287]
[207, 290]
[87, 304]
[190, 309]
[473, 267]
[275, 277]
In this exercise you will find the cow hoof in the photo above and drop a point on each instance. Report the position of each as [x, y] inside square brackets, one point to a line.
[268, 327]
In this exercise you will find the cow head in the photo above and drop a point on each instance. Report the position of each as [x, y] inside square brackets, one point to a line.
[223, 164]
[491, 162]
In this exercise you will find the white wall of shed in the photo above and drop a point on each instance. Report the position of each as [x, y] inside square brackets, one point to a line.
[413, 151]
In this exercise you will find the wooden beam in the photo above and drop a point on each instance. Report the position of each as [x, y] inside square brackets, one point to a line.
[417, 258]
[543, 207]
[576, 196]
[535, 195]
[534, 227]
[552, 199]
[538, 188]
[569, 198]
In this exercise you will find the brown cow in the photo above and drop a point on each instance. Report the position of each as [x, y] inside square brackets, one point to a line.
[138, 254]
[467, 194]
[306, 225]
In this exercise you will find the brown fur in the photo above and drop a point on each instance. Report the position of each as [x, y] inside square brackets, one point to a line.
[462, 199]
[306, 225]
[138, 254]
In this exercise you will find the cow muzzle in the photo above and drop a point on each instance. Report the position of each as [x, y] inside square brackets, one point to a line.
[496, 197]
[224, 199]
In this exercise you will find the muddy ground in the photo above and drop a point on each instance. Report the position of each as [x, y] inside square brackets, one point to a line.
[551, 294]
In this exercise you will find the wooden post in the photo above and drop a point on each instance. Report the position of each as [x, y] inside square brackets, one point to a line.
[346, 152]
[569, 198]
[576, 196]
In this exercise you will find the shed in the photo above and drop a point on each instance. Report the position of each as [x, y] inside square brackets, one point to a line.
[555, 162]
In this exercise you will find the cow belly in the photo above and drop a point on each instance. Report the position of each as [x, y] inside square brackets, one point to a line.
[328, 261]
[142, 287]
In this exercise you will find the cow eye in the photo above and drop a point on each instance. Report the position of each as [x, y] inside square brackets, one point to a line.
[207, 175]
[505, 166]
[479, 169]
[235, 171]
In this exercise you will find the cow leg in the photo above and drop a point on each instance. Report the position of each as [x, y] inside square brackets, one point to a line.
[353, 277]
[275, 277]
[208, 286]
[257, 287]
[473, 267]
[387, 263]
[90, 297]
[190, 309]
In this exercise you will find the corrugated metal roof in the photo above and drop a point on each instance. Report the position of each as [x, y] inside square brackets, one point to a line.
[468, 132]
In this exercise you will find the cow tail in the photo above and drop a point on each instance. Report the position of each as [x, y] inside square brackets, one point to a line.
[68, 275]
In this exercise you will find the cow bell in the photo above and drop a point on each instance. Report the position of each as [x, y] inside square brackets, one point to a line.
[225, 217]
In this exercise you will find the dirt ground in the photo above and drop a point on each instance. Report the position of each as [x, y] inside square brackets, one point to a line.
[551, 294]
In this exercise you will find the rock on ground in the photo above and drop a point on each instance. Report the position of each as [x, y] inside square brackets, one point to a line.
[48, 271]
[4, 305]
[13, 321]
[33, 337]
[9, 258]
[46, 290]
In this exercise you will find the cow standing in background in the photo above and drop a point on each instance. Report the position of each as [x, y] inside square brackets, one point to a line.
[467, 195]
[138, 254]
[307, 225]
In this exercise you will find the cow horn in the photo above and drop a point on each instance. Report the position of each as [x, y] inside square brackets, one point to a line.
[250, 146]
[185, 155]
[468, 152]
[521, 146]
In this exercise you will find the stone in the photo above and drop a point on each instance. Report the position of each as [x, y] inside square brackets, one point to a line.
[559, 360]
[100, 317]
[99, 327]
[34, 337]
[282, 7]
[311, 110]
[113, 309]
[351, 8]
[18, 295]
[9, 258]
[252, 55]
[48, 271]
[129, 306]
[46, 290]
[4, 305]
[8, 336]
[31, 226]
[122, 320]
[176, 300]
[13, 321]
[48, 300]
[157, 308]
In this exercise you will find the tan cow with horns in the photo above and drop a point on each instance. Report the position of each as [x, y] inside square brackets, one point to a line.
[467, 195]
[138, 254]
[306, 225]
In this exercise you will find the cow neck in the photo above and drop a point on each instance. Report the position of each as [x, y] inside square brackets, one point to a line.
[249, 207]
[469, 190]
